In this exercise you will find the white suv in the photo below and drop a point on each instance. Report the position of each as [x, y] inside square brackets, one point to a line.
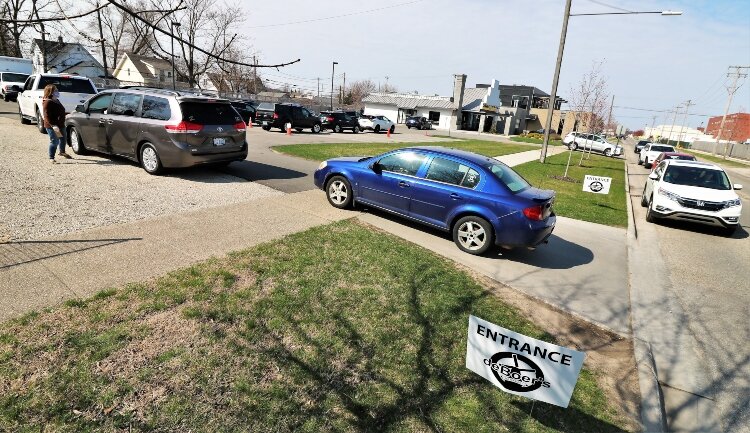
[597, 143]
[692, 191]
[651, 151]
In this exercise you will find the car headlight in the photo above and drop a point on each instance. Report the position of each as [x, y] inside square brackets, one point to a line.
[732, 203]
[670, 195]
[323, 165]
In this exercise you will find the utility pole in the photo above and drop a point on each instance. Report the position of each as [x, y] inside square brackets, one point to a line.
[318, 89]
[255, 75]
[343, 90]
[736, 75]
[101, 40]
[684, 119]
[609, 118]
[333, 72]
[674, 119]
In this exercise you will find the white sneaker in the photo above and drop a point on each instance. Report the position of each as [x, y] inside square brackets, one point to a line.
[52, 160]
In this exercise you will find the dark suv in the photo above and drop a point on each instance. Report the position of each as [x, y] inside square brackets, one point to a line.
[338, 121]
[298, 116]
[246, 108]
[158, 128]
[418, 122]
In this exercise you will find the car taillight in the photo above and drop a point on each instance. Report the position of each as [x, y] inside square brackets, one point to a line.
[535, 213]
[275, 115]
[240, 126]
[184, 127]
[329, 119]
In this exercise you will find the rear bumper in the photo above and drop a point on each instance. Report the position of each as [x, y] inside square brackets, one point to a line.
[177, 157]
[530, 234]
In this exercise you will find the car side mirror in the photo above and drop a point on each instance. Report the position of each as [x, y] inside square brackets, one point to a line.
[375, 166]
[737, 186]
[15, 88]
[653, 176]
[80, 108]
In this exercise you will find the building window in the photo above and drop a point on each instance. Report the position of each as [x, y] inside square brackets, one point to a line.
[435, 116]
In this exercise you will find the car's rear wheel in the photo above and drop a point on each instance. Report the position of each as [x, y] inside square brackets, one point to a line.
[24, 121]
[608, 152]
[316, 128]
[473, 235]
[266, 128]
[408, 127]
[150, 159]
[650, 214]
[339, 192]
[40, 122]
[573, 146]
[355, 130]
[377, 129]
[76, 143]
[337, 129]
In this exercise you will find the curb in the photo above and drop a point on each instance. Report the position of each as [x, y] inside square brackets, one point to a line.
[653, 414]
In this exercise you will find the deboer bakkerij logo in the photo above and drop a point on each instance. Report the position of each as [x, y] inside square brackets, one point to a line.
[516, 372]
[596, 186]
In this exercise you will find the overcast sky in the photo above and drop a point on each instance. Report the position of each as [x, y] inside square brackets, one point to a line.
[652, 62]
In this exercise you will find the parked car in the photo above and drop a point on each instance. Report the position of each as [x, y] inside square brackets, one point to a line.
[376, 124]
[672, 155]
[74, 90]
[593, 142]
[297, 116]
[264, 112]
[650, 152]
[480, 200]
[640, 145]
[10, 84]
[246, 108]
[158, 128]
[338, 121]
[418, 122]
[692, 191]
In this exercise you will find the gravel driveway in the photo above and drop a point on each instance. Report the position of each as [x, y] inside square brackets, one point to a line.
[39, 199]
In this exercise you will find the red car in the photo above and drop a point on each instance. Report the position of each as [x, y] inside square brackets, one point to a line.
[671, 155]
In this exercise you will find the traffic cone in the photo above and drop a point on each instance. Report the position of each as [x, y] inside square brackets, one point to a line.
[388, 133]
[250, 124]
[288, 129]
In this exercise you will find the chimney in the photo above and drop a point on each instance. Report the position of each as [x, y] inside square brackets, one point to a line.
[459, 86]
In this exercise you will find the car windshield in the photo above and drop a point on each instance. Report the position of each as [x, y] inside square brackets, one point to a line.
[683, 157]
[17, 78]
[69, 85]
[506, 175]
[697, 176]
[661, 149]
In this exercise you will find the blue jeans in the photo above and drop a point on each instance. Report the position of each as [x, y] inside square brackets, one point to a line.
[55, 142]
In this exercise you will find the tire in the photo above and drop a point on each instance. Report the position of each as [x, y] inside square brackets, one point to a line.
[473, 235]
[650, 216]
[408, 127]
[337, 129]
[573, 146]
[355, 130]
[24, 121]
[40, 122]
[149, 159]
[646, 163]
[393, 128]
[377, 129]
[640, 162]
[76, 143]
[266, 128]
[316, 128]
[339, 192]
[644, 203]
[608, 152]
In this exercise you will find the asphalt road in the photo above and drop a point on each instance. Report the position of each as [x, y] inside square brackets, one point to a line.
[705, 280]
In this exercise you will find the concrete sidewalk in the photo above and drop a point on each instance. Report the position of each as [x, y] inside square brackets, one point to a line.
[39, 274]
[514, 159]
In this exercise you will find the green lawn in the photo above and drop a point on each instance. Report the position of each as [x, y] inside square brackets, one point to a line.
[571, 201]
[535, 140]
[717, 159]
[318, 332]
[321, 152]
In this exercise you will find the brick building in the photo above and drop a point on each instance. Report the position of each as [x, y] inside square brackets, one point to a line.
[736, 128]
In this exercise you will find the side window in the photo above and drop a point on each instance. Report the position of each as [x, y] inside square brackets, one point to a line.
[306, 113]
[100, 104]
[454, 173]
[403, 163]
[155, 108]
[125, 104]
[660, 169]
[29, 83]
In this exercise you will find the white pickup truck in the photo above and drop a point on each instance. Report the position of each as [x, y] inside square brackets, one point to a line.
[74, 91]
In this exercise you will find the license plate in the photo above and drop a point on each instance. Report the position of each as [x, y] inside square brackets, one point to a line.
[265, 122]
[220, 141]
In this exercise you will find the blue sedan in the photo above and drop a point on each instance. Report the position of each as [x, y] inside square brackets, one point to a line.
[480, 200]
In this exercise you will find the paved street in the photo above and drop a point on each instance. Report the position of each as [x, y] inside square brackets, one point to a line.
[691, 303]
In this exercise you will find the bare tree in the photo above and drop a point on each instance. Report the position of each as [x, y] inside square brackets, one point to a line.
[17, 11]
[357, 91]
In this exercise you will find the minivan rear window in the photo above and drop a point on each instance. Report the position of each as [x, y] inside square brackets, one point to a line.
[209, 113]
[70, 85]
[266, 106]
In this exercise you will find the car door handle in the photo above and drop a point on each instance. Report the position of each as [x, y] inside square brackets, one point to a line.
[455, 196]
[403, 184]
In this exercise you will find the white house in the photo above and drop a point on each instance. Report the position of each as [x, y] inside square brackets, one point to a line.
[64, 58]
[398, 106]
[142, 70]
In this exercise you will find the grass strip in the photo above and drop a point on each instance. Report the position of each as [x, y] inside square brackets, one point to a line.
[338, 328]
[322, 152]
[535, 140]
[572, 202]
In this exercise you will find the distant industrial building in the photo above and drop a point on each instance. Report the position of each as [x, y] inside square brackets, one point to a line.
[736, 127]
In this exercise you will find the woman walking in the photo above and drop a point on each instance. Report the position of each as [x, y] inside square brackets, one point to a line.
[54, 121]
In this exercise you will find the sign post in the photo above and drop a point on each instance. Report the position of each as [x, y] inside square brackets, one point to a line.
[522, 365]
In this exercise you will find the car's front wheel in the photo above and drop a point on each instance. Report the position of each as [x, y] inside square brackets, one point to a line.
[650, 214]
[573, 146]
[473, 235]
[76, 143]
[339, 192]
[337, 129]
[608, 152]
[644, 202]
[316, 128]
[150, 159]
[393, 128]
[377, 129]
[355, 129]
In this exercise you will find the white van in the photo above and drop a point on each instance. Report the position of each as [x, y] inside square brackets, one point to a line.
[13, 72]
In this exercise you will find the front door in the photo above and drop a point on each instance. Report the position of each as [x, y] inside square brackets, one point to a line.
[389, 185]
[123, 125]
[94, 126]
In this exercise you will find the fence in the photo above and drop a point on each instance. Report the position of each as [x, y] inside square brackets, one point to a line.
[736, 150]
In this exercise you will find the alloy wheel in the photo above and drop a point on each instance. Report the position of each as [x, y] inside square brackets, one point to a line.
[338, 192]
[149, 158]
[472, 236]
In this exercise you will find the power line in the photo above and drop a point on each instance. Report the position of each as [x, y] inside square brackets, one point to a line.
[609, 6]
[335, 16]
[660, 111]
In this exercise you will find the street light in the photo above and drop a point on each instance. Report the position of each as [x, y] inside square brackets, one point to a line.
[556, 79]
[333, 71]
[174, 24]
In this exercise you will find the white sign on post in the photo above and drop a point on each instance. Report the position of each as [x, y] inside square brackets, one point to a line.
[597, 184]
[522, 365]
